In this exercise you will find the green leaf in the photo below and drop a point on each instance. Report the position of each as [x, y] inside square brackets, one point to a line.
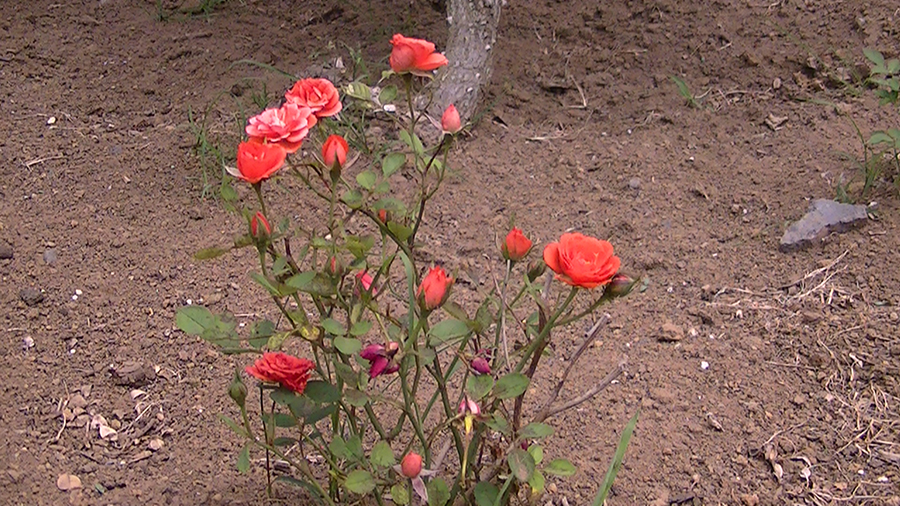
[485, 493]
[414, 143]
[616, 463]
[360, 328]
[401, 231]
[193, 320]
[233, 426]
[275, 341]
[260, 332]
[359, 246]
[382, 455]
[438, 492]
[346, 374]
[285, 441]
[874, 56]
[497, 423]
[356, 398]
[338, 448]
[392, 163]
[511, 385]
[285, 420]
[359, 482]
[210, 253]
[560, 467]
[333, 327]
[243, 460]
[400, 494]
[354, 445]
[880, 137]
[479, 386]
[347, 345]
[521, 464]
[366, 179]
[388, 94]
[537, 453]
[445, 330]
[353, 198]
[537, 482]
[322, 392]
[359, 91]
[314, 283]
[300, 281]
[536, 431]
[265, 283]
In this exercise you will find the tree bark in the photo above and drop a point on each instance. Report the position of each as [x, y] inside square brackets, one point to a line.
[472, 34]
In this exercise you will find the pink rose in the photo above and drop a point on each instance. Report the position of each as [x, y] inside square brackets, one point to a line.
[318, 94]
[287, 125]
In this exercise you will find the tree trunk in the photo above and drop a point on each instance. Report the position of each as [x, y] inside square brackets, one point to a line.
[473, 32]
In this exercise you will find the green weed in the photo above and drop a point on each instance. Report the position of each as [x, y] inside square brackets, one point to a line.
[683, 90]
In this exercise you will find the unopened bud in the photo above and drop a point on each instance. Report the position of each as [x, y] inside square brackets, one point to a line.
[620, 285]
[481, 366]
[536, 269]
[334, 268]
[411, 465]
[259, 226]
[237, 390]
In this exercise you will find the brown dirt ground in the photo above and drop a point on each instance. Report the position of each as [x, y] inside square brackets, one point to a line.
[585, 131]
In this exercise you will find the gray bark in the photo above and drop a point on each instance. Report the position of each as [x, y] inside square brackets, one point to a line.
[473, 32]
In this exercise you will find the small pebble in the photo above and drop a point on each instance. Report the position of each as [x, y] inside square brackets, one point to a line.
[6, 251]
[50, 256]
[634, 183]
[704, 365]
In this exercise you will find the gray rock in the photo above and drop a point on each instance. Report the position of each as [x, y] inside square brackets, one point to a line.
[50, 256]
[824, 217]
[31, 296]
[634, 183]
[6, 251]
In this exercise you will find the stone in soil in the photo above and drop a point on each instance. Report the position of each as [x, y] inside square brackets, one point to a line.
[50, 256]
[31, 296]
[824, 217]
[6, 251]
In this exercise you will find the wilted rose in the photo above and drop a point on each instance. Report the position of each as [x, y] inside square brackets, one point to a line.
[415, 56]
[582, 261]
[381, 358]
[288, 371]
[286, 126]
[319, 95]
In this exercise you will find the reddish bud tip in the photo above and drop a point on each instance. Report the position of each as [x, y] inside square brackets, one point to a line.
[411, 465]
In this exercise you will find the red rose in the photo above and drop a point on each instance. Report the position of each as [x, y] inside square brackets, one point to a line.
[288, 371]
[581, 261]
[450, 122]
[516, 246]
[318, 94]
[414, 55]
[435, 288]
[287, 125]
[335, 150]
[257, 220]
[257, 161]
[411, 465]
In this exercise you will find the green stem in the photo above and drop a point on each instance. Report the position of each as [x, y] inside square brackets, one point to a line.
[539, 340]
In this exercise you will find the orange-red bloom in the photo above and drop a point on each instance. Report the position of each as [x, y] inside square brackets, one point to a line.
[450, 122]
[320, 95]
[335, 150]
[581, 261]
[288, 371]
[416, 56]
[516, 246]
[435, 288]
[287, 126]
[411, 465]
[257, 161]
[257, 220]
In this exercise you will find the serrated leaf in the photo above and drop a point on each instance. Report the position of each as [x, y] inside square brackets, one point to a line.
[479, 386]
[193, 320]
[400, 494]
[359, 91]
[359, 246]
[353, 198]
[497, 423]
[438, 492]
[210, 253]
[511, 385]
[521, 464]
[338, 448]
[445, 330]
[536, 431]
[359, 482]
[354, 445]
[347, 345]
[243, 460]
[322, 392]
[560, 467]
[382, 455]
[356, 398]
[366, 179]
[314, 283]
[486, 493]
[392, 163]
[388, 94]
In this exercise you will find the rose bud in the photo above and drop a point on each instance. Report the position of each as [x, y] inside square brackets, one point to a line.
[536, 269]
[237, 390]
[334, 151]
[481, 366]
[366, 279]
[469, 410]
[411, 465]
[263, 232]
[619, 286]
[516, 246]
[450, 122]
[334, 268]
[384, 216]
[435, 288]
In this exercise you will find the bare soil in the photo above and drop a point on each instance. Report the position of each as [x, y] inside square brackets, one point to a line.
[102, 204]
